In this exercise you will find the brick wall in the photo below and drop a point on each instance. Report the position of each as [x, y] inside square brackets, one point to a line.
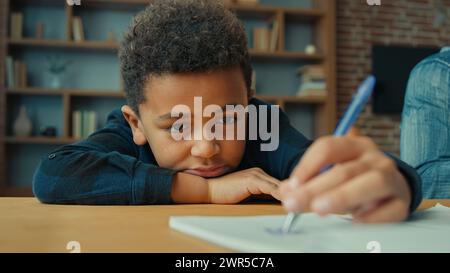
[395, 22]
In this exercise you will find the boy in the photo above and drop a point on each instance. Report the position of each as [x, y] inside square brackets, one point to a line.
[180, 50]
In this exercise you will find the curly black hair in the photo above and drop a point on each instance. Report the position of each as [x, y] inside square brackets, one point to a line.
[178, 36]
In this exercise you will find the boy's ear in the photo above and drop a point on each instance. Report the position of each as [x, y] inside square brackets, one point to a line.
[136, 126]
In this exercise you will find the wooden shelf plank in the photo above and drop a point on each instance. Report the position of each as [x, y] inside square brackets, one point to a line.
[263, 10]
[100, 45]
[41, 2]
[33, 91]
[294, 99]
[120, 94]
[94, 93]
[310, 12]
[103, 45]
[38, 140]
[285, 55]
[39, 91]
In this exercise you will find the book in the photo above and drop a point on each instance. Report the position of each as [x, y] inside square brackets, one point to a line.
[318, 85]
[311, 86]
[312, 78]
[311, 70]
[274, 36]
[84, 123]
[23, 74]
[92, 126]
[78, 32]
[312, 92]
[20, 74]
[312, 81]
[253, 87]
[39, 34]
[17, 73]
[9, 68]
[16, 25]
[76, 124]
[261, 38]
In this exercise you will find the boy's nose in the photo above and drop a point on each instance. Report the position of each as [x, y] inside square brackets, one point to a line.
[205, 148]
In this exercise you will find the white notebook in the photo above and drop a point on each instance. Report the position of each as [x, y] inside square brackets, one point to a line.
[427, 231]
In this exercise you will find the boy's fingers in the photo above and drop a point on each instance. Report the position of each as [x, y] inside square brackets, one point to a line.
[272, 190]
[366, 208]
[394, 210]
[276, 194]
[337, 175]
[329, 151]
[263, 186]
[363, 189]
[264, 176]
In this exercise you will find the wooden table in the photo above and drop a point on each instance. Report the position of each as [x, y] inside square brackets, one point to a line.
[29, 226]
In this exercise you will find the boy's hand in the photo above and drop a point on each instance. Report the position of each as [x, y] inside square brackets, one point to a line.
[363, 181]
[235, 187]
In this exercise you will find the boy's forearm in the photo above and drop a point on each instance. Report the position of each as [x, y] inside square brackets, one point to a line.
[189, 189]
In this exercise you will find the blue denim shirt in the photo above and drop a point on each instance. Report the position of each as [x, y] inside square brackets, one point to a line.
[425, 129]
[109, 168]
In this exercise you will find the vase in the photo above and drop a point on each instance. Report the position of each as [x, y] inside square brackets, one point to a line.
[22, 125]
[55, 81]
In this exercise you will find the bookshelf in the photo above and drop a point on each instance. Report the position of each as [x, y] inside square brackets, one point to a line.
[317, 15]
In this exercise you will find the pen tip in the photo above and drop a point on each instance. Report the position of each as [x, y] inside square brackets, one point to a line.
[287, 223]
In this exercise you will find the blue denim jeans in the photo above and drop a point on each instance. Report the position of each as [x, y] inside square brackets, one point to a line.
[425, 128]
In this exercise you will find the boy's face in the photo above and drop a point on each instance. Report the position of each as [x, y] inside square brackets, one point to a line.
[206, 158]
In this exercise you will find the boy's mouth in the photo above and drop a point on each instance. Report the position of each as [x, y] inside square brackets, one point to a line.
[208, 171]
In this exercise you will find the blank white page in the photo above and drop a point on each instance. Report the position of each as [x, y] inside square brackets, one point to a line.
[427, 231]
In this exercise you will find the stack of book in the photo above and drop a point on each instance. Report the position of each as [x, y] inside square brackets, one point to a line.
[266, 39]
[312, 81]
[16, 25]
[16, 73]
[84, 123]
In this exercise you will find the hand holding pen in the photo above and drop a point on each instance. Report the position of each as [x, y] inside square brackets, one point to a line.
[362, 181]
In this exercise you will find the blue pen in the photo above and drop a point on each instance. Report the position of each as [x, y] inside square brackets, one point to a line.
[360, 99]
